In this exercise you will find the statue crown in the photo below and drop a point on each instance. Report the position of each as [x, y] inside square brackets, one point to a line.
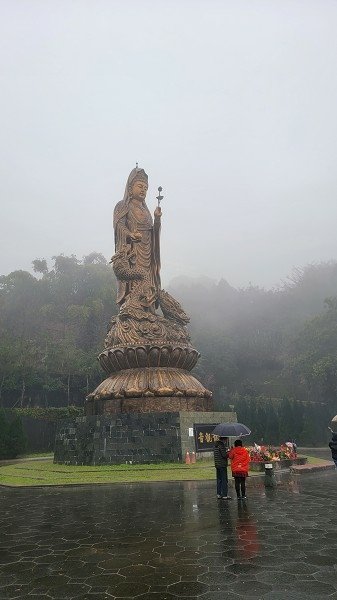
[139, 175]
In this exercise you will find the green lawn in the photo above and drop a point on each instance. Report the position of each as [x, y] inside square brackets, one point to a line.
[45, 472]
[32, 473]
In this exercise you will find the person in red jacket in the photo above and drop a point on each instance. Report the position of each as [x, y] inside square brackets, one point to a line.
[240, 459]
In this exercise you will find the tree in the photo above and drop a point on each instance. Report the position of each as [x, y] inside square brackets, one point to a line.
[40, 266]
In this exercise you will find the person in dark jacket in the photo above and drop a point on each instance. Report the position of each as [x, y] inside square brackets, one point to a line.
[333, 446]
[221, 463]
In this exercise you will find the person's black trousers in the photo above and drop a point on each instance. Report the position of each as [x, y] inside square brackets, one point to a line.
[240, 486]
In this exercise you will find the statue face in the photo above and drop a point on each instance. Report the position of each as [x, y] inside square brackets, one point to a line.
[139, 190]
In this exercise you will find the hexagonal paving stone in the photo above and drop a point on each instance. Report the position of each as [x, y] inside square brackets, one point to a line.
[105, 580]
[136, 571]
[188, 589]
[157, 596]
[68, 591]
[216, 579]
[161, 578]
[251, 588]
[243, 568]
[130, 590]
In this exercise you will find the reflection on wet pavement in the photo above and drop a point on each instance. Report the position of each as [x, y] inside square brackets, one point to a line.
[171, 540]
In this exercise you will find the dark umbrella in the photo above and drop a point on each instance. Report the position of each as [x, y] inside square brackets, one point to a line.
[231, 430]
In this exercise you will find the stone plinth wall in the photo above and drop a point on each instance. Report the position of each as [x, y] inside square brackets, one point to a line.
[122, 438]
[137, 438]
[187, 419]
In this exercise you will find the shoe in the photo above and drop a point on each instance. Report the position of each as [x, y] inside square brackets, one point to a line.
[244, 497]
[226, 497]
[218, 496]
[239, 498]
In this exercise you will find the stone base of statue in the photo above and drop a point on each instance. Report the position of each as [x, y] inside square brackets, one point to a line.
[148, 378]
[133, 438]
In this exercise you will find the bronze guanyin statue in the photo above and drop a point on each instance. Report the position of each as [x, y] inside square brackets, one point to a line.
[148, 355]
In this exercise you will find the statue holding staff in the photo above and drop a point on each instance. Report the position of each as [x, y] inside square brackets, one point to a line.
[138, 234]
[136, 264]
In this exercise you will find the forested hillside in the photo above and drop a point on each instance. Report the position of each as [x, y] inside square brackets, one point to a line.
[262, 350]
[52, 327]
[278, 343]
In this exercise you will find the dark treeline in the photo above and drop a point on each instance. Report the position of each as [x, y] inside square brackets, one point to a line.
[262, 350]
[279, 421]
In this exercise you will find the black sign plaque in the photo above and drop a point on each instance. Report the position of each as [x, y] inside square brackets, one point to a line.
[203, 436]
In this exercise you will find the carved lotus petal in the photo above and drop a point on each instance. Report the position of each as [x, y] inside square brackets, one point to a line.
[191, 392]
[113, 361]
[141, 356]
[131, 358]
[165, 356]
[175, 357]
[153, 356]
[182, 358]
[121, 359]
[191, 360]
[105, 363]
[165, 391]
[133, 393]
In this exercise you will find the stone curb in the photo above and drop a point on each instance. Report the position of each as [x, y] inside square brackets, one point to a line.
[300, 469]
[13, 461]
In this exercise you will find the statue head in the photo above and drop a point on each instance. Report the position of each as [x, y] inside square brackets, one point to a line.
[139, 190]
[136, 187]
[138, 184]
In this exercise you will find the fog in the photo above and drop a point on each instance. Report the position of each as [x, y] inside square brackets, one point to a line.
[230, 106]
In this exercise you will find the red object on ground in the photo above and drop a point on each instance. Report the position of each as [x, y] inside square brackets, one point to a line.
[187, 458]
[193, 458]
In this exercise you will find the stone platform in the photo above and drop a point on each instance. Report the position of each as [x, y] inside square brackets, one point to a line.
[149, 437]
[277, 464]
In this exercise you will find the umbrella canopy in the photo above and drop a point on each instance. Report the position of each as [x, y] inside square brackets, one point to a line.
[231, 430]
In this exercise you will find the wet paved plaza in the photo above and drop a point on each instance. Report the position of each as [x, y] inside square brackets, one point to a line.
[171, 540]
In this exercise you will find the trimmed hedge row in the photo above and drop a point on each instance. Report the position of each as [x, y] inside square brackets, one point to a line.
[12, 437]
[31, 429]
[49, 414]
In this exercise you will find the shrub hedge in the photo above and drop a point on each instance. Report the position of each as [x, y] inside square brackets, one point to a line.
[12, 438]
[50, 414]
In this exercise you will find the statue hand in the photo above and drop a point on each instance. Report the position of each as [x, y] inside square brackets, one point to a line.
[135, 236]
[157, 212]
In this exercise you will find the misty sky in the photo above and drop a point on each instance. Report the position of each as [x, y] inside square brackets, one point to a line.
[231, 106]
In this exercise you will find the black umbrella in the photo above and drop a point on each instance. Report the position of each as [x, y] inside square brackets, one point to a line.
[231, 430]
